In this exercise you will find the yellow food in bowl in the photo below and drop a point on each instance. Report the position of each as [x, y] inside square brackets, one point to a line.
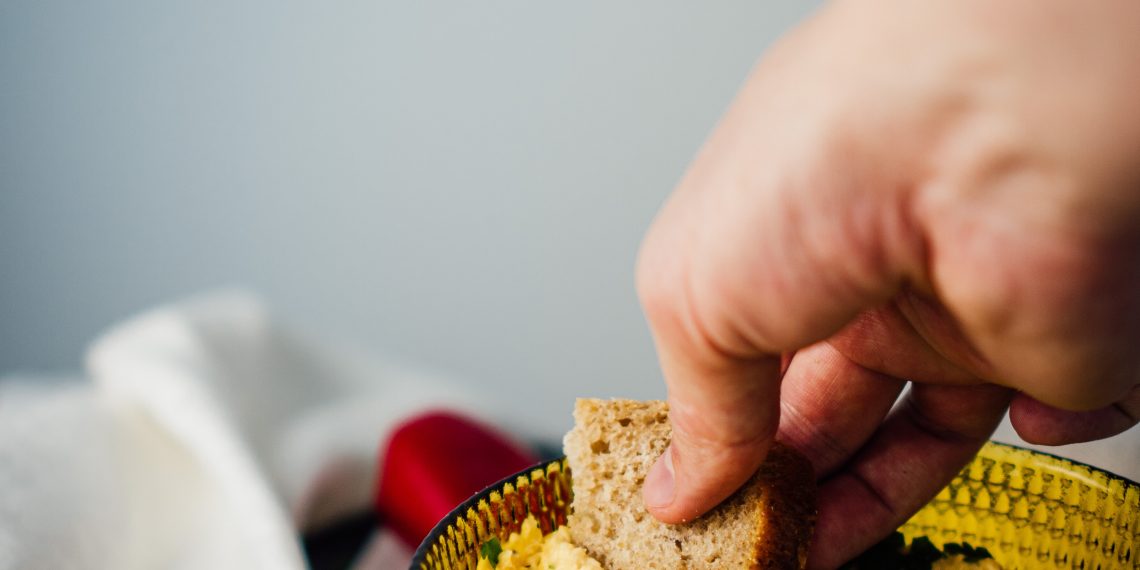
[528, 549]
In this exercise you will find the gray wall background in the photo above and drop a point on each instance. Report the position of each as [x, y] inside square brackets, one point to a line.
[459, 184]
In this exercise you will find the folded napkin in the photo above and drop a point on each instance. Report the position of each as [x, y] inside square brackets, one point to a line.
[206, 436]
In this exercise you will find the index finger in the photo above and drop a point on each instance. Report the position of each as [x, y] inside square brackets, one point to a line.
[722, 309]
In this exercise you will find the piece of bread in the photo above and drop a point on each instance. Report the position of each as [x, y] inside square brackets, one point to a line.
[766, 524]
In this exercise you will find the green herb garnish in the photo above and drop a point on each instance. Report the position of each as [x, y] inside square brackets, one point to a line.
[969, 553]
[892, 553]
[491, 550]
[923, 552]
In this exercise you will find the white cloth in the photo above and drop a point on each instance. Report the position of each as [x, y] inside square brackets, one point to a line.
[206, 437]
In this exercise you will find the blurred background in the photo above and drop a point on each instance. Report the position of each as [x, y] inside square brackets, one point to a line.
[461, 185]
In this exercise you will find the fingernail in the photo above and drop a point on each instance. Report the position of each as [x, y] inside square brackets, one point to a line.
[658, 491]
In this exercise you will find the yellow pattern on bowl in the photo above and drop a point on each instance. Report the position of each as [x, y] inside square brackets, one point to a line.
[1030, 510]
[1034, 510]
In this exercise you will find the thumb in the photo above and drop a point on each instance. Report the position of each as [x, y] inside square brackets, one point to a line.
[742, 265]
[723, 423]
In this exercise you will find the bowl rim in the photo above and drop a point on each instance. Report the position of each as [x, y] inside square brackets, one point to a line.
[420, 555]
[441, 527]
[1109, 474]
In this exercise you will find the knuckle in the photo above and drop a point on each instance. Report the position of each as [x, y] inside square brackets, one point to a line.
[727, 433]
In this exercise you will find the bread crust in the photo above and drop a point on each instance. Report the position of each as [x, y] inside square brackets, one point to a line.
[788, 504]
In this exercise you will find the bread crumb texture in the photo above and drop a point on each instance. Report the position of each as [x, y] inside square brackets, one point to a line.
[766, 524]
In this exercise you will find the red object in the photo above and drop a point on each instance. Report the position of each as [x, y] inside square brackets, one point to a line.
[435, 461]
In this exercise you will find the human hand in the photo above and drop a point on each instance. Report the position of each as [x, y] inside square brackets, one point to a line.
[944, 192]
